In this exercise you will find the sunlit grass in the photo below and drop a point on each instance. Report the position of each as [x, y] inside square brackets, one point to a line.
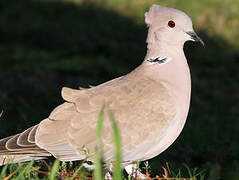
[214, 16]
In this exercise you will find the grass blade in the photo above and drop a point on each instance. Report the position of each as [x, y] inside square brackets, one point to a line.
[4, 171]
[98, 154]
[100, 125]
[25, 170]
[188, 169]
[54, 169]
[117, 173]
[76, 172]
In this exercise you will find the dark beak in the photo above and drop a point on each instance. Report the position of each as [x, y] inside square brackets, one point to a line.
[195, 37]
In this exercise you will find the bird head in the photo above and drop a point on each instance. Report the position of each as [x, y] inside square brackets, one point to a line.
[171, 26]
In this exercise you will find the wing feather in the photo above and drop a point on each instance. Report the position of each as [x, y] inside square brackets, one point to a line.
[32, 133]
[17, 148]
[3, 143]
[69, 94]
[130, 101]
[23, 139]
[142, 108]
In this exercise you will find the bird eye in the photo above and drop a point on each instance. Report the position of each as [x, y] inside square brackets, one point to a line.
[171, 24]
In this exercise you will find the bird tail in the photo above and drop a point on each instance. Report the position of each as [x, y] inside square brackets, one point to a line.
[21, 147]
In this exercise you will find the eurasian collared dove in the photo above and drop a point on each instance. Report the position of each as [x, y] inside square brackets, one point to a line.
[150, 104]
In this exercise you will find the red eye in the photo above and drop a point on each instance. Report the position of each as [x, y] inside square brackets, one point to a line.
[171, 24]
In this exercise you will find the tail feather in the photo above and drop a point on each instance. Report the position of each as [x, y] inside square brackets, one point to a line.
[21, 147]
[9, 159]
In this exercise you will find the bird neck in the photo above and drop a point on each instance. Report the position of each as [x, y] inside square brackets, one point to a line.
[163, 49]
[174, 74]
[175, 71]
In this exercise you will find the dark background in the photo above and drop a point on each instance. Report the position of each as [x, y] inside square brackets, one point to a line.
[45, 45]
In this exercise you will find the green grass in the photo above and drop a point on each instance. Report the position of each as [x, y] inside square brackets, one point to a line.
[98, 175]
[49, 44]
[98, 172]
[208, 15]
[32, 170]
[117, 171]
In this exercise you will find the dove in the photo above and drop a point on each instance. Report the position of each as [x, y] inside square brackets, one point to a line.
[150, 104]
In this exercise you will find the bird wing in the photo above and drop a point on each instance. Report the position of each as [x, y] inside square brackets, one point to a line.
[143, 110]
[21, 147]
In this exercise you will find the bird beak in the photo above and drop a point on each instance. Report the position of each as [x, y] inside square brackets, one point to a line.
[195, 37]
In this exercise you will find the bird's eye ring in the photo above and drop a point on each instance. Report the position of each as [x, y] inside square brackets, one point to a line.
[171, 24]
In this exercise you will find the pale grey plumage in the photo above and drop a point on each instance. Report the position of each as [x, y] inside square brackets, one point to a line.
[150, 104]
